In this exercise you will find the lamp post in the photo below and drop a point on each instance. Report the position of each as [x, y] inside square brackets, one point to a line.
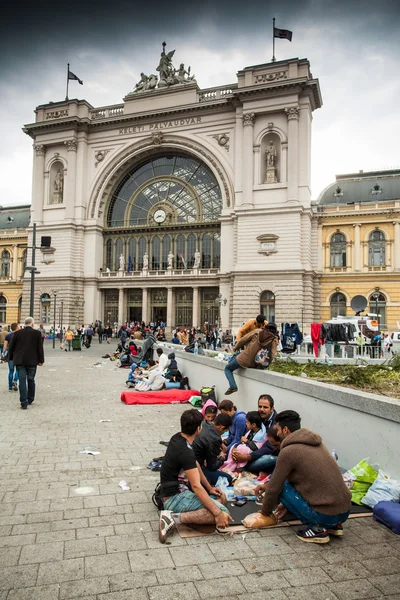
[221, 302]
[48, 257]
[55, 313]
[61, 320]
[376, 297]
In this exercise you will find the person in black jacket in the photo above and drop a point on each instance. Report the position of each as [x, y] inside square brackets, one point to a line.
[207, 448]
[26, 353]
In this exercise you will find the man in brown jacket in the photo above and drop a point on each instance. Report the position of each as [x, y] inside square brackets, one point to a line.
[307, 481]
[258, 323]
[254, 341]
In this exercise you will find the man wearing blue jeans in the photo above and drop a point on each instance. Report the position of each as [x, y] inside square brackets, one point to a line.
[26, 352]
[12, 370]
[307, 481]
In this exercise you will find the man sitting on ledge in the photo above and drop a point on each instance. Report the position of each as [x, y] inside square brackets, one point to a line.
[198, 505]
[307, 481]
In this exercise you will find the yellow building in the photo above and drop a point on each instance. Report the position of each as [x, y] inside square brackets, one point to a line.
[14, 221]
[359, 245]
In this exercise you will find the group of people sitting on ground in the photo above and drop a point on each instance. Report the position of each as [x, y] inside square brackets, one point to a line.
[305, 480]
[154, 376]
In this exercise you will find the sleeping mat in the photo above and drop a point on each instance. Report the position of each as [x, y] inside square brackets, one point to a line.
[161, 397]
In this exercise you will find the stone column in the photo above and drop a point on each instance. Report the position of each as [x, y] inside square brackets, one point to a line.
[257, 165]
[121, 315]
[145, 308]
[396, 246]
[283, 169]
[69, 193]
[38, 184]
[321, 255]
[169, 307]
[238, 155]
[195, 316]
[248, 159]
[357, 247]
[293, 153]
[15, 263]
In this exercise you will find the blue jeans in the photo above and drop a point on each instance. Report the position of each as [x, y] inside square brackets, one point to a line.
[187, 501]
[295, 503]
[26, 384]
[232, 365]
[12, 371]
[265, 463]
[212, 476]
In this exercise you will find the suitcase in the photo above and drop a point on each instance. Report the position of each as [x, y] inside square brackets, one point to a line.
[388, 513]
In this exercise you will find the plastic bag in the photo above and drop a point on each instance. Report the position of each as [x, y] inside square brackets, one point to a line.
[258, 520]
[195, 401]
[365, 476]
[223, 485]
[245, 486]
[383, 488]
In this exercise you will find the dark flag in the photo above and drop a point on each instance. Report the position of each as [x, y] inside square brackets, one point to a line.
[283, 34]
[72, 75]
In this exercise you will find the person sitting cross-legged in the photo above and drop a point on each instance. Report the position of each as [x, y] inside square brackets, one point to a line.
[207, 448]
[307, 481]
[202, 504]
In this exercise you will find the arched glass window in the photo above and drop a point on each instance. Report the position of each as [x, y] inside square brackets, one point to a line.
[3, 309]
[155, 254]
[338, 305]
[5, 263]
[206, 251]
[267, 306]
[377, 306]
[180, 252]
[166, 248]
[191, 246]
[338, 250]
[119, 249]
[142, 250]
[377, 249]
[109, 246]
[132, 255]
[45, 302]
[217, 251]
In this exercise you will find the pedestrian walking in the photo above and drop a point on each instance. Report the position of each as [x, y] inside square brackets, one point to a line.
[42, 332]
[26, 353]
[12, 370]
[69, 336]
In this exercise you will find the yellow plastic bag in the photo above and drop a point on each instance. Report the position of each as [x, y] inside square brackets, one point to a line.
[258, 520]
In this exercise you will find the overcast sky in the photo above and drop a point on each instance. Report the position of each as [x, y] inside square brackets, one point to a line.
[353, 48]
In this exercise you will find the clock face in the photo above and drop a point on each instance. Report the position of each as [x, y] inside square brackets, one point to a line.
[160, 215]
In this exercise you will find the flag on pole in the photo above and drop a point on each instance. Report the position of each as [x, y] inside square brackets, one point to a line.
[183, 260]
[283, 34]
[72, 75]
[129, 264]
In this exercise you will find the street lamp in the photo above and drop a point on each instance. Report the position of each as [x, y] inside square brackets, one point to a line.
[48, 257]
[54, 318]
[221, 302]
[376, 297]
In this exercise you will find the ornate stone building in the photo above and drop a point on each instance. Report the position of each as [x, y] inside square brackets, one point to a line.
[359, 234]
[181, 202]
[14, 221]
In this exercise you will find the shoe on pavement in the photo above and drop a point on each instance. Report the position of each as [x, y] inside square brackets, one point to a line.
[336, 531]
[230, 391]
[30, 402]
[10, 390]
[130, 384]
[15, 386]
[166, 526]
[314, 535]
[24, 406]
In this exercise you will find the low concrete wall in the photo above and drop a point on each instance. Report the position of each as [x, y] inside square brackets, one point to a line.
[356, 424]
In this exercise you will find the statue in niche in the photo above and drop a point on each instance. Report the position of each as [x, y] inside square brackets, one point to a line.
[145, 262]
[122, 262]
[271, 154]
[170, 260]
[58, 187]
[196, 264]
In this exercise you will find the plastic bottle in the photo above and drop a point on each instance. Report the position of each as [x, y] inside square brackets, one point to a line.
[196, 348]
[335, 456]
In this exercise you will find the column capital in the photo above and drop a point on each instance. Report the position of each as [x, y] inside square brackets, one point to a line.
[72, 145]
[249, 118]
[292, 113]
[40, 149]
[357, 224]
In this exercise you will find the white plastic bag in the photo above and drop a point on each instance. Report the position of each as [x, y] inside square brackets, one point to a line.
[245, 486]
[383, 488]
[223, 485]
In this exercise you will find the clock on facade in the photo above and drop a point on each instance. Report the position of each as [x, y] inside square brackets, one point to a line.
[160, 216]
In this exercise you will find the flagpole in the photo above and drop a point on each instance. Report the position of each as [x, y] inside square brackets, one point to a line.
[66, 96]
[273, 40]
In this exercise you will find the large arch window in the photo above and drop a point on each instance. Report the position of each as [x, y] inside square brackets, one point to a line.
[338, 250]
[45, 301]
[206, 251]
[3, 309]
[191, 246]
[180, 252]
[142, 250]
[155, 254]
[5, 263]
[267, 306]
[119, 249]
[132, 255]
[377, 249]
[377, 306]
[109, 248]
[166, 249]
[217, 250]
[338, 305]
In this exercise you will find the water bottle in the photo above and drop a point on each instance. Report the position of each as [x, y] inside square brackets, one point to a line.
[196, 348]
[335, 456]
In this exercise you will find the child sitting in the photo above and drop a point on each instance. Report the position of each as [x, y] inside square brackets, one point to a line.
[134, 375]
[252, 440]
[209, 411]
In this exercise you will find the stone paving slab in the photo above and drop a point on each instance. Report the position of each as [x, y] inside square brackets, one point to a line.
[67, 530]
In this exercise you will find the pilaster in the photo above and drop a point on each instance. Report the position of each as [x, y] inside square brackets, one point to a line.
[293, 153]
[72, 147]
[145, 306]
[195, 315]
[248, 159]
[38, 183]
[396, 246]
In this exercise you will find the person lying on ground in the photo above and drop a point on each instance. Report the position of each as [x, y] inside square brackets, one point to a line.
[238, 427]
[262, 460]
[203, 504]
[207, 448]
[252, 440]
[307, 481]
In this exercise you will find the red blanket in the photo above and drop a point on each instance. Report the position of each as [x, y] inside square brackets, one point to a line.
[161, 397]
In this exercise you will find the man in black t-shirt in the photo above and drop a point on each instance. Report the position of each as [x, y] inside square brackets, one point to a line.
[181, 504]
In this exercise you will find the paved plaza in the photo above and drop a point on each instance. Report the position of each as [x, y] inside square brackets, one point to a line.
[67, 530]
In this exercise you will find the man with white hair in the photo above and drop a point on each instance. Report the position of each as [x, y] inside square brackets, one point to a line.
[26, 353]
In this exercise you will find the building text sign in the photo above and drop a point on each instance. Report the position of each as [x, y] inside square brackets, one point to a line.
[160, 125]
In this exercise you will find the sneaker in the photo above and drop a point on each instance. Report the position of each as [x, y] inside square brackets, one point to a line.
[10, 389]
[336, 530]
[30, 402]
[15, 386]
[317, 536]
[230, 391]
[166, 526]
[130, 384]
[24, 406]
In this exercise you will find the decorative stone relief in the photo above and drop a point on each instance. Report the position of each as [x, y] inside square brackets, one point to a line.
[72, 145]
[57, 114]
[223, 140]
[249, 118]
[264, 77]
[268, 243]
[292, 112]
[40, 149]
[157, 138]
[100, 156]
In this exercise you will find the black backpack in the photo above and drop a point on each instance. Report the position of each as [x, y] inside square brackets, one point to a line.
[157, 498]
[208, 393]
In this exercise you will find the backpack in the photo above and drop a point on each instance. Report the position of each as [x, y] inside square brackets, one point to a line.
[208, 393]
[157, 498]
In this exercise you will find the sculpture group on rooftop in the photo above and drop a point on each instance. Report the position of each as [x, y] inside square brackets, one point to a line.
[168, 75]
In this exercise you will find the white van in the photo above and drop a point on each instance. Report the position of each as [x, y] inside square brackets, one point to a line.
[396, 342]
